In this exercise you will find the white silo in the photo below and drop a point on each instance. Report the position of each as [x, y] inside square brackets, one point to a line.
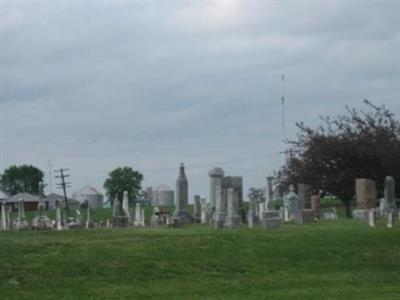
[163, 196]
[90, 194]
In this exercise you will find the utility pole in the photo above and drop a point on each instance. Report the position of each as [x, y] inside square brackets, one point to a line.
[63, 185]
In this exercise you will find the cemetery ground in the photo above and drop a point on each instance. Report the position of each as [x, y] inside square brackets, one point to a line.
[342, 259]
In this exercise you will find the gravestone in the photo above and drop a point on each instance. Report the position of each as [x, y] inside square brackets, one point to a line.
[205, 213]
[304, 192]
[125, 206]
[269, 201]
[390, 218]
[291, 202]
[315, 204]
[220, 209]
[59, 215]
[41, 221]
[371, 217]
[271, 223]
[196, 209]
[4, 221]
[216, 175]
[139, 216]
[88, 216]
[304, 216]
[181, 196]
[21, 223]
[366, 196]
[331, 214]
[250, 218]
[233, 219]
[390, 192]
[120, 220]
[383, 206]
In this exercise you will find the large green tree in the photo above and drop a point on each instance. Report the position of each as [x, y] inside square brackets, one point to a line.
[21, 179]
[123, 179]
[362, 144]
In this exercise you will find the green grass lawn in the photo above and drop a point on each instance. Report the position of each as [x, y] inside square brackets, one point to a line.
[330, 260]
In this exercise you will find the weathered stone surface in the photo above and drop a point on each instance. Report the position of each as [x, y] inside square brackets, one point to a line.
[220, 209]
[216, 175]
[383, 207]
[206, 211]
[270, 214]
[371, 218]
[271, 223]
[390, 192]
[304, 192]
[304, 216]
[4, 223]
[366, 193]
[331, 214]
[250, 219]
[269, 201]
[361, 214]
[125, 206]
[291, 202]
[197, 208]
[139, 216]
[233, 219]
[391, 218]
[41, 221]
[21, 223]
[315, 205]
[181, 196]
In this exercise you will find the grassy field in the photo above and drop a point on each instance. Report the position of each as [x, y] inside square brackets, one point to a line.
[330, 260]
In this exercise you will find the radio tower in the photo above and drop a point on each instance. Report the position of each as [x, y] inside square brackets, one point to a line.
[50, 166]
[283, 108]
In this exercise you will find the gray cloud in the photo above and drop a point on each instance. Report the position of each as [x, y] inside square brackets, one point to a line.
[95, 85]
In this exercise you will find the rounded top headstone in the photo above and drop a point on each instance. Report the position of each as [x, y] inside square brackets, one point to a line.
[216, 172]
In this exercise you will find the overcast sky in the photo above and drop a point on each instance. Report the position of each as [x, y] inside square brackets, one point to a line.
[92, 85]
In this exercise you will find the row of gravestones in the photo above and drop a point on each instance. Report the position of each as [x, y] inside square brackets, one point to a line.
[366, 198]
[41, 221]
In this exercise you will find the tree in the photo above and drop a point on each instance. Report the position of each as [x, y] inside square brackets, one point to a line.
[361, 144]
[123, 179]
[21, 179]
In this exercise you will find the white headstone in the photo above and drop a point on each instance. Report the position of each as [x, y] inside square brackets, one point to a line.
[371, 218]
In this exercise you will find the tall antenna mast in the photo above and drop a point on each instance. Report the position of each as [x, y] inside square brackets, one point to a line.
[50, 166]
[283, 108]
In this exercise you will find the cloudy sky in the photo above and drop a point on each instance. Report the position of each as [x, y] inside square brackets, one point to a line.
[92, 85]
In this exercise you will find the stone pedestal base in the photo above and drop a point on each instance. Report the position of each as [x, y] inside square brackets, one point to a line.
[219, 224]
[183, 215]
[270, 214]
[304, 216]
[120, 222]
[21, 225]
[271, 223]
[176, 222]
[233, 222]
[361, 214]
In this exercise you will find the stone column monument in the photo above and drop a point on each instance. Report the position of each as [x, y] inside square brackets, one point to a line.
[196, 209]
[181, 196]
[220, 211]
[21, 222]
[4, 222]
[390, 191]
[216, 176]
[125, 206]
[269, 204]
[233, 219]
